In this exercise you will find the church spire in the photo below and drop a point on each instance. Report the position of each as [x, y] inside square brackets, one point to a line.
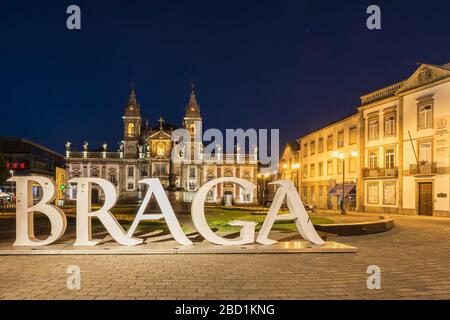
[132, 108]
[193, 108]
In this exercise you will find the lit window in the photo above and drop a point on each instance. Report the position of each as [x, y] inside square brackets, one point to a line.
[425, 117]
[352, 138]
[389, 125]
[373, 159]
[373, 129]
[340, 138]
[131, 129]
[389, 158]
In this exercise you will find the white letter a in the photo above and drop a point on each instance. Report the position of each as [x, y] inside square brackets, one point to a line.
[297, 213]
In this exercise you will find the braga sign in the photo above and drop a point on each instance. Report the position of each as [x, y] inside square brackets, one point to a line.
[84, 214]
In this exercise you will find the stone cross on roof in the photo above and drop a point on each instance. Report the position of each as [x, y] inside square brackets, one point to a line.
[161, 120]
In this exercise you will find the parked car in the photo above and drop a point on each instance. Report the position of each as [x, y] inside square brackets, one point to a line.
[309, 207]
[6, 196]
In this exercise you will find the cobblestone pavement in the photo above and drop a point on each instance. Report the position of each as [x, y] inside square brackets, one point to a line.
[414, 259]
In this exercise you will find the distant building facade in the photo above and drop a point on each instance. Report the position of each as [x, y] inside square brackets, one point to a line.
[400, 135]
[27, 158]
[322, 171]
[145, 152]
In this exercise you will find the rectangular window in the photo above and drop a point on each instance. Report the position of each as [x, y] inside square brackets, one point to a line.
[389, 193]
[340, 164]
[389, 125]
[313, 194]
[372, 193]
[130, 186]
[312, 146]
[425, 117]
[426, 151]
[192, 172]
[305, 171]
[330, 142]
[373, 129]
[320, 145]
[340, 139]
[352, 136]
[373, 159]
[330, 167]
[305, 150]
[130, 171]
[352, 164]
[305, 194]
[320, 169]
[389, 159]
[320, 194]
[312, 170]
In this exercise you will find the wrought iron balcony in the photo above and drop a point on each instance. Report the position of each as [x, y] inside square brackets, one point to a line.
[424, 168]
[380, 172]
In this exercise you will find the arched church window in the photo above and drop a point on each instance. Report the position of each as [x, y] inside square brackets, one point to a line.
[94, 173]
[75, 173]
[246, 176]
[210, 196]
[228, 185]
[131, 129]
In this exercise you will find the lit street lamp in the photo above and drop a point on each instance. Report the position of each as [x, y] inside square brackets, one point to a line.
[263, 176]
[342, 156]
[11, 172]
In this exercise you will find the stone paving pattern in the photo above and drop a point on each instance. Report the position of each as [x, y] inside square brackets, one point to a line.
[414, 259]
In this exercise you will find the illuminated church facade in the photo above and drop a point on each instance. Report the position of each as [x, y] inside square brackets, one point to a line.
[145, 152]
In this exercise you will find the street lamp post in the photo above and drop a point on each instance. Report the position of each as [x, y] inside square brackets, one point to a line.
[263, 196]
[11, 172]
[341, 156]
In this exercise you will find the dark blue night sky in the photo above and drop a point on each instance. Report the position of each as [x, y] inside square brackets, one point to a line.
[294, 65]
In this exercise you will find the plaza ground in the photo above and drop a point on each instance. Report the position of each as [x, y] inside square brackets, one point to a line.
[414, 259]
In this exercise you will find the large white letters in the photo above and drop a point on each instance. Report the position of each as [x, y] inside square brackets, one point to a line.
[155, 187]
[297, 213]
[25, 211]
[84, 214]
[200, 223]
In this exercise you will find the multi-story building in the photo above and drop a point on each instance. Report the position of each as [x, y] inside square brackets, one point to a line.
[402, 146]
[146, 152]
[289, 166]
[328, 159]
[407, 144]
[25, 158]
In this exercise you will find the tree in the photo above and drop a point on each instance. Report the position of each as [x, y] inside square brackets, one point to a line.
[4, 173]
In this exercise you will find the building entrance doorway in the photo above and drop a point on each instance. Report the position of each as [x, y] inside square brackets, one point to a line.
[425, 198]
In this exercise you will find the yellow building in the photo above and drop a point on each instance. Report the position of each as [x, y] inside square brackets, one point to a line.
[400, 137]
[328, 157]
[406, 145]
[289, 167]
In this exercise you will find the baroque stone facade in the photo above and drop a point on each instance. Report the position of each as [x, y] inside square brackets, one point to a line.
[146, 152]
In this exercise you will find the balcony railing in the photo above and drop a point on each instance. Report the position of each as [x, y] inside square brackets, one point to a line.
[380, 172]
[92, 154]
[381, 94]
[423, 168]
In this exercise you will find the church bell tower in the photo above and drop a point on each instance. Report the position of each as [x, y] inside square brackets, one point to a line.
[192, 119]
[131, 126]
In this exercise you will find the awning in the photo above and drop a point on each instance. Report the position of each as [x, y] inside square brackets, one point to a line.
[349, 188]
